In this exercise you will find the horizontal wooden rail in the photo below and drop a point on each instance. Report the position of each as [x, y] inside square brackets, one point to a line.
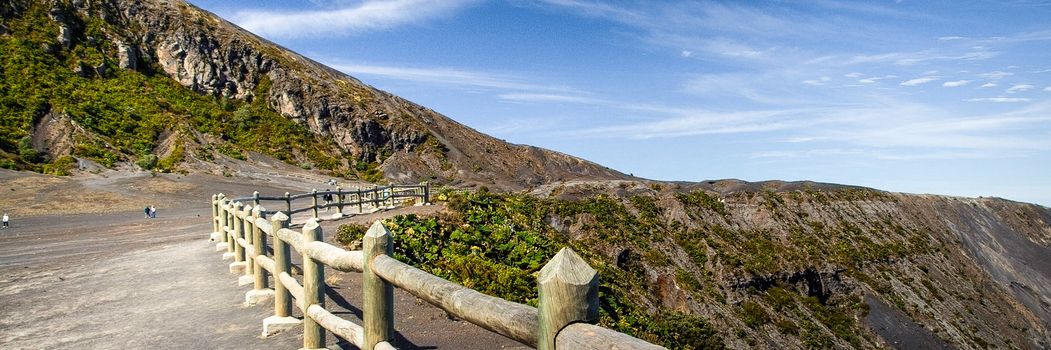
[509, 319]
[350, 331]
[568, 287]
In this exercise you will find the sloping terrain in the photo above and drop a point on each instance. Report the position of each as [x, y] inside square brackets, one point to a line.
[164, 86]
[158, 83]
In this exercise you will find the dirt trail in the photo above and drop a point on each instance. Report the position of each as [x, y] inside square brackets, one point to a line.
[112, 279]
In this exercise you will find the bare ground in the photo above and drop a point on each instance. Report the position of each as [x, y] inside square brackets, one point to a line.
[94, 273]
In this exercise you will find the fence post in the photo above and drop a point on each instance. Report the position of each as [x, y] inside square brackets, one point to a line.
[248, 225]
[568, 294]
[282, 318]
[426, 193]
[230, 242]
[227, 228]
[360, 200]
[339, 194]
[314, 195]
[378, 301]
[255, 199]
[313, 287]
[288, 205]
[259, 290]
[215, 218]
[239, 251]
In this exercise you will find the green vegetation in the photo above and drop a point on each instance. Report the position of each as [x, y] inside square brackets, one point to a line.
[496, 244]
[127, 110]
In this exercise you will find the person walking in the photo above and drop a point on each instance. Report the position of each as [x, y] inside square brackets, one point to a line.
[146, 211]
[6, 218]
[153, 212]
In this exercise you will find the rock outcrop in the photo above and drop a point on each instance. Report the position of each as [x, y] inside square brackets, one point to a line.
[212, 56]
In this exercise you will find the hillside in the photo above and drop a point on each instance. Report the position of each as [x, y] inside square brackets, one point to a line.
[165, 86]
[159, 83]
[763, 265]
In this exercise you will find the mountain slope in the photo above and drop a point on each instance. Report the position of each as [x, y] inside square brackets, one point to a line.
[350, 127]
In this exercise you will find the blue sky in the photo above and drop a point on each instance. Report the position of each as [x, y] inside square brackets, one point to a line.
[945, 97]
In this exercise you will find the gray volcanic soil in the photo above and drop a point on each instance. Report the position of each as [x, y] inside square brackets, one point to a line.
[116, 280]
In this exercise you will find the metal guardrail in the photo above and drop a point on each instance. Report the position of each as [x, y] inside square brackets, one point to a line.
[568, 286]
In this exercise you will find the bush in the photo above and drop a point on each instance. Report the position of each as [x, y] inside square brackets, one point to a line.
[350, 234]
[147, 162]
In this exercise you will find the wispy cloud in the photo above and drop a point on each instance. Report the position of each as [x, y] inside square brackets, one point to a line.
[1047, 88]
[996, 75]
[988, 85]
[998, 99]
[951, 38]
[873, 80]
[365, 16]
[956, 83]
[445, 76]
[919, 81]
[1019, 88]
[817, 82]
[556, 98]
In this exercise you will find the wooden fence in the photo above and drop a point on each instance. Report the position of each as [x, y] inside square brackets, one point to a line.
[377, 197]
[568, 286]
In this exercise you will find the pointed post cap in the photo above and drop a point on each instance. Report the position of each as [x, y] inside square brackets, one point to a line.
[567, 267]
[258, 210]
[311, 225]
[247, 208]
[238, 205]
[279, 216]
[377, 230]
[221, 195]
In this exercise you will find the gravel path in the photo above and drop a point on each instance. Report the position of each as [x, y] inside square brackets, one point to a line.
[116, 280]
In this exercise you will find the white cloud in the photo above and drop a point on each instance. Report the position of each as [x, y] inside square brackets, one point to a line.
[556, 98]
[919, 81]
[817, 82]
[853, 75]
[950, 38]
[364, 16]
[872, 80]
[998, 99]
[686, 53]
[956, 83]
[987, 85]
[1047, 88]
[1019, 88]
[996, 75]
[451, 76]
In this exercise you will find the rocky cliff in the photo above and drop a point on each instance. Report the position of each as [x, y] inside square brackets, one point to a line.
[808, 265]
[358, 126]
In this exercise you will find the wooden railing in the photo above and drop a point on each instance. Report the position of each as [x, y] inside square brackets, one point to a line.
[377, 197]
[568, 287]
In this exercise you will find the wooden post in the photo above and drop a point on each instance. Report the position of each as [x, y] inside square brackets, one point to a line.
[426, 193]
[248, 235]
[239, 251]
[314, 195]
[215, 217]
[282, 264]
[255, 199]
[313, 287]
[378, 301]
[568, 294]
[229, 236]
[360, 200]
[260, 290]
[339, 195]
[282, 319]
[288, 205]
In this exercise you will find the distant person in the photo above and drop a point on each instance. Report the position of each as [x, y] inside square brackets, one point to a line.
[6, 219]
[146, 211]
[153, 212]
